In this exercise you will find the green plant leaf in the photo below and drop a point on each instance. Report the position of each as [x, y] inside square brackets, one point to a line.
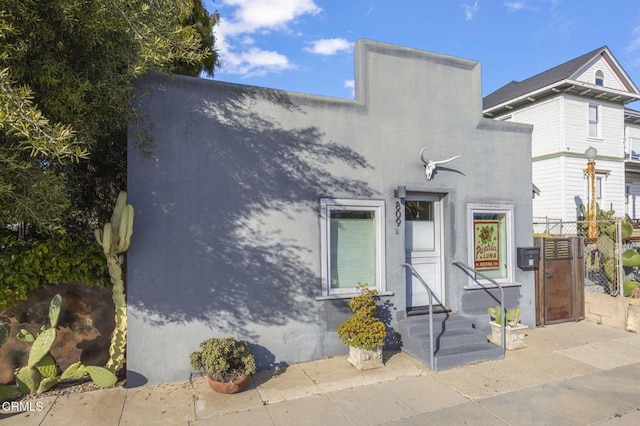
[47, 383]
[631, 258]
[41, 346]
[47, 366]
[28, 379]
[101, 376]
[54, 310]
[8, 393]
[25, 336]
[74, 371]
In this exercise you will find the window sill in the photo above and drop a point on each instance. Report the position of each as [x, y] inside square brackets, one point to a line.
[489, 285]
[595, 138]
[349, 296]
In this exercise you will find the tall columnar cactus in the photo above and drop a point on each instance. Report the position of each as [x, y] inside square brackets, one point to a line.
[114, 238]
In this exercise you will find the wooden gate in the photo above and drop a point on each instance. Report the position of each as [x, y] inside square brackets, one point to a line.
[560, 280]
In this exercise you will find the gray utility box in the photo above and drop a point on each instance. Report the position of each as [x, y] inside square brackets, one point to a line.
[528, 258]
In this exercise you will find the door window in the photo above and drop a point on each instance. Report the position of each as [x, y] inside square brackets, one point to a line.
[419, 226]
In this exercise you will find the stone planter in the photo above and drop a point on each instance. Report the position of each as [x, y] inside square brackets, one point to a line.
[633, 318]
[618, 312]
[365, 359]
[515, 336]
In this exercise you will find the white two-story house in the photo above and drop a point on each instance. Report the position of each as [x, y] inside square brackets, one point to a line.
[573, 106]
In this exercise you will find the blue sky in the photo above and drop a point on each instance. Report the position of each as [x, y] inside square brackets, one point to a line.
[307, 45]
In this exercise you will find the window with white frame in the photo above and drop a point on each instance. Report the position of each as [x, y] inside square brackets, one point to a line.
[352, 245]
[594, 121]
[600, 179]
[491, 241]
[600, 187]
[599, 78]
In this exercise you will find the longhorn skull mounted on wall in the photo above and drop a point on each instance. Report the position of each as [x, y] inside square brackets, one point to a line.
[430, 165]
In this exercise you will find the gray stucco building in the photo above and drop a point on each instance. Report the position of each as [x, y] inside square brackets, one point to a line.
[260, 209]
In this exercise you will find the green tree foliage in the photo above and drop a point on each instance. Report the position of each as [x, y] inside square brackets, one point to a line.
[67, 69]
[28, 264]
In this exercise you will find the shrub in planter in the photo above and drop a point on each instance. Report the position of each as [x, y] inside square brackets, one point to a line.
[225, 360]
[364, 331]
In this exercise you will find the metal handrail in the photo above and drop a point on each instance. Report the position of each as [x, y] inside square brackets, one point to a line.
[430, 293]
[466, 268]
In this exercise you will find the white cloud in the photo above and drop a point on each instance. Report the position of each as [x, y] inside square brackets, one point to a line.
[252, 15]
[328, 46]
[255, 62]
[470, 10]
[350, 84]
[633, 47]
[247, 40]
[515, 5]
[242, 19]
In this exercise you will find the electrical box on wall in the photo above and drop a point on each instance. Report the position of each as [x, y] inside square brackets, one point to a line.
[528, 258]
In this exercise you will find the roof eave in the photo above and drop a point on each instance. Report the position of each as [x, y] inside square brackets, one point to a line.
[564, 86]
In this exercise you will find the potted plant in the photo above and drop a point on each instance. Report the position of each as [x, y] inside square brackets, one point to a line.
[515, 331]
[227, 362]
[364, 332]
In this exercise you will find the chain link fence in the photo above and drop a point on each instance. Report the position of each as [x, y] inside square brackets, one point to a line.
[603, 271]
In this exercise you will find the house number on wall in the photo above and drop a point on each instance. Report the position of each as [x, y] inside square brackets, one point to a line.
[398, 213]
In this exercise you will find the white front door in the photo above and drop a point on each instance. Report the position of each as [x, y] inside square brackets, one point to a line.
[423, 248]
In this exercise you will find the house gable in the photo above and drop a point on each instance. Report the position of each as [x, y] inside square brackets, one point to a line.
[613, 77]
[575, 77]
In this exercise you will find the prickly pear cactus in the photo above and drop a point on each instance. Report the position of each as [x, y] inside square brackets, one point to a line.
[25, 336]
[74, 372]
[101, 376]
[47, 366]
[28, 379]
[115, 238]
[54, 310]
[47, 383]
[41, 372]
[41, 346]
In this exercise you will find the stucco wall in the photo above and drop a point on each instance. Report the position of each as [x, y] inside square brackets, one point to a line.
[227, 233]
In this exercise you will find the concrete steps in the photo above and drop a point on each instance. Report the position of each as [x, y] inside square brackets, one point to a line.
[455, 343]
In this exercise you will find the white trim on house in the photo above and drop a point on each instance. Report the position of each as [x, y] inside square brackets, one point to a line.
[507, 210]
[329, 205]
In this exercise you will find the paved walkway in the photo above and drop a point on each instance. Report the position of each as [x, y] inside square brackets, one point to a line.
[572, 373]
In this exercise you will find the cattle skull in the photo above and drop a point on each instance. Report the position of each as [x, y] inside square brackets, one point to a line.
[430, 166]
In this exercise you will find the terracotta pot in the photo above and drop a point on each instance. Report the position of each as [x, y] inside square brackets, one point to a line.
[229, 387]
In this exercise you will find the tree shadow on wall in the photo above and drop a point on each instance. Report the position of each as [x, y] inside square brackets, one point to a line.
[205, 248]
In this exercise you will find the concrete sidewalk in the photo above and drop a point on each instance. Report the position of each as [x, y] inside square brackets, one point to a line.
[571, 373]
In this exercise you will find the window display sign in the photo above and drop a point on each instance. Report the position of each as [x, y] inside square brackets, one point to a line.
[486, 244]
